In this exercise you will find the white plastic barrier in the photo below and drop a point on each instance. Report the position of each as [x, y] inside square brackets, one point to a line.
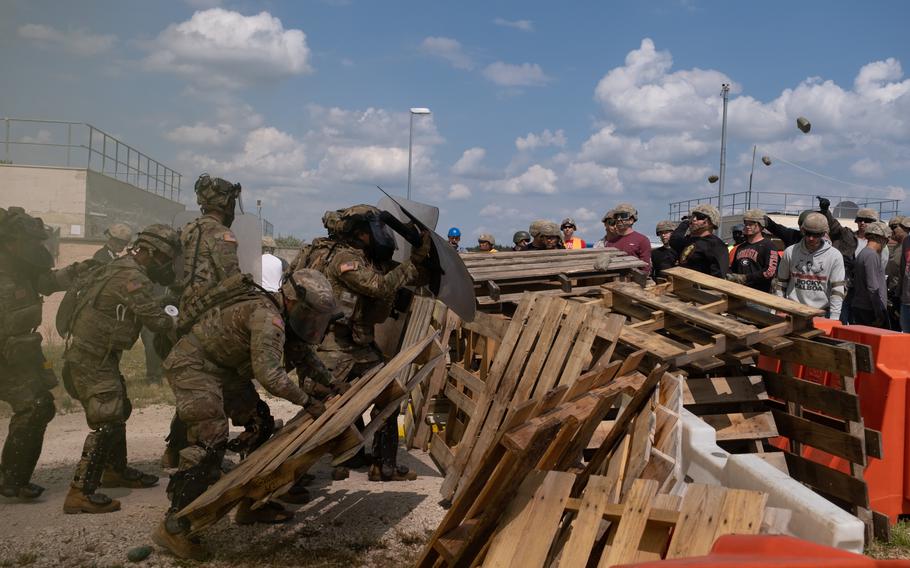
[803, 513]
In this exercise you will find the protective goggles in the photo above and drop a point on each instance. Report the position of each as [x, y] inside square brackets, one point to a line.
[700, 216]
[864, 220]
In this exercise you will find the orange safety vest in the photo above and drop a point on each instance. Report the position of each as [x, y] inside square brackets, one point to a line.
[575, 243]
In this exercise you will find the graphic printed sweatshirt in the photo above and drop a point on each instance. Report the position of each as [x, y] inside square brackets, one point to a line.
[815, 279]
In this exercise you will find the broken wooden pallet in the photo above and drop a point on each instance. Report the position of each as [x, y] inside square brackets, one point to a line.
[547, 344]
[273, 467]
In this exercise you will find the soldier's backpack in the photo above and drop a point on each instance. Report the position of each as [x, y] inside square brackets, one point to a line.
[229, 291]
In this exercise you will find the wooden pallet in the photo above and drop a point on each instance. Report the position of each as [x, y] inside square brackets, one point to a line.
[548, 343]
[503, 277]
[546, 434]
[645, 526]
[273, 467]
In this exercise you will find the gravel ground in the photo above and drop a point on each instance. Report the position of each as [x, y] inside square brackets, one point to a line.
[353, 522]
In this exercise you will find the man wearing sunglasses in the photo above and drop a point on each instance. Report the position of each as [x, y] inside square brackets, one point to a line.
[568, 229]
[697, 245]
[663, 257]
[545, 236]
[811, 272]
[754, 262]
[628, 240]
[609, 229]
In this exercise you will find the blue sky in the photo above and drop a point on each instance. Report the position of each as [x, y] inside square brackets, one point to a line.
[539, 109]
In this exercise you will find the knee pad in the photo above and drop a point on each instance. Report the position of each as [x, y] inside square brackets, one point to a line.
[43, 410]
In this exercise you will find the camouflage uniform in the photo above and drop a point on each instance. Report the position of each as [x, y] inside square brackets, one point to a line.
[117, 301]
[25, 375]
[208, 370]
[365, 293]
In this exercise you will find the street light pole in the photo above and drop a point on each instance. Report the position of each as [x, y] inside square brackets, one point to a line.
[751, 172]
[414, 111]
[724, 92]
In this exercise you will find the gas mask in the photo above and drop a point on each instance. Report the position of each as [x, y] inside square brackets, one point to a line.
[161, 272]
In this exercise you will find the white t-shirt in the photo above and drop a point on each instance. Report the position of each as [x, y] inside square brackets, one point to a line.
[271, 272]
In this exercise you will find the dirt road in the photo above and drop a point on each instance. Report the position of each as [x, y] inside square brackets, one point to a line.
[347, 523]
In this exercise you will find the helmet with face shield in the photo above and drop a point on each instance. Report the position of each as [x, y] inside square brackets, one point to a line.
[310, 304]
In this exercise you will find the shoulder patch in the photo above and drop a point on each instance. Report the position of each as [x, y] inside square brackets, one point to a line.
[278, 322]
[133, 285]
[229, 237]
[348, 266]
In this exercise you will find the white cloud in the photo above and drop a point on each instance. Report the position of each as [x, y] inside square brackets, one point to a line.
[545, 138]
[509, 75]
[459, 191]
[367, 164]
[669, 174]
[878, 81]
[448, 49]
[499, 212]
[268, 156]
[589, 175]
[78, 41]
[201, 134]
[203, 4]
[470, 162]
[226, 48]
[867, 167]
[372, 126]
[523, 25]
[536, 179]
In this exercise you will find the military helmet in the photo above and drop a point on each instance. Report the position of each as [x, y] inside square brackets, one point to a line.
[216, 193]
[356, 214]
[550, 229]
[866, 213]
[627, 209]
[708, 211]
[756, 216]
[120, 231]
[315, 304]
[521, 236]
[878, 229]
[664, 226]
[535, 227]
[487, 237]
[16, 223]
[737, 228]
[568, 221]
[814, 223]
[159, 238]
[607, 215]
[895, 221]
[268, 242]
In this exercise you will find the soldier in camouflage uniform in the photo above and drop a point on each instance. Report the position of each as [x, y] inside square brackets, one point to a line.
[208, 370]
[25, 375]
[209, 258]
[355, 259]
[112, 305]
[118, 236]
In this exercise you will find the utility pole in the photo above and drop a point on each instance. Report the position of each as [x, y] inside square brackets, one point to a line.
[724, 92]
[751, 173]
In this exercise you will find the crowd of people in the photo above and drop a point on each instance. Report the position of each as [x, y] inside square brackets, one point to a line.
[855, 276]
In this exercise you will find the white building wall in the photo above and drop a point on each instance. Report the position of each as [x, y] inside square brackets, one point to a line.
[57, 195]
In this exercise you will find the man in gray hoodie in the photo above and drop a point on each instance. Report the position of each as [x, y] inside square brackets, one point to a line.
[811, 272]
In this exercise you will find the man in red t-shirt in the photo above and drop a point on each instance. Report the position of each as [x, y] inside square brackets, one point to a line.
[628, 240]
[568, 229]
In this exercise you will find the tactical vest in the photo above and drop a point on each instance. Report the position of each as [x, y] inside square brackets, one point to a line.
[20, 303]
[97, 330]
[229, 291]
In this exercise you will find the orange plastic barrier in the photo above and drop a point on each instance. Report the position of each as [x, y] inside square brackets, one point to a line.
[779, 551]
[883, 401]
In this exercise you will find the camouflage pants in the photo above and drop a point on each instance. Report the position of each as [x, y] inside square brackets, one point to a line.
[207, 395]
[99, 386]
[25, 384]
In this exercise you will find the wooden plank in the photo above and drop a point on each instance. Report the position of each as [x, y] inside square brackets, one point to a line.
[580, 355]
[471, 381]
[559, 352]
[826, 439]
[545, 347]
[720, 391]
[656, 536]
[639, 449]
[742, 426]
[743, 292]
[698, 519]
[631, 526]
[827, 480]
[441, 453]
[742, 513]
[815, 354]
[460, 400]
[506, 539]
[873, 438]
[586, 526]
[819, 397]
[489, 325]
[652, 343]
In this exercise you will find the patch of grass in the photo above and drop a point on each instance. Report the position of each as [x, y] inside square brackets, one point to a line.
[897, 548]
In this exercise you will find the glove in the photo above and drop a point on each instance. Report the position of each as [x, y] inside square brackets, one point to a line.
[314, 407]
[738, 278]
[420, 254]
[823, 204]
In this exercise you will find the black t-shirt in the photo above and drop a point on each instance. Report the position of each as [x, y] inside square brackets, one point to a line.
[758, 261]
[706, 254]
[662, 258]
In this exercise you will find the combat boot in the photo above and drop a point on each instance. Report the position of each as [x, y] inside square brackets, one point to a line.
[391, 473]
[179, 544]
[26, 491]
[128, 477]
[94, 503]
[269, 513]
[170, 459]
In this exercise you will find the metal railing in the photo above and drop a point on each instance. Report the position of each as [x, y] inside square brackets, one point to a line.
[786, 204]
[60, 143]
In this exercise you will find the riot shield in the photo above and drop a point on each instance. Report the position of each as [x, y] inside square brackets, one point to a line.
[450, 281]
[248, 230]
[427, 214]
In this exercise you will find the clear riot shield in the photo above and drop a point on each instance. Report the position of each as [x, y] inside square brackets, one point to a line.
[248, 230]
